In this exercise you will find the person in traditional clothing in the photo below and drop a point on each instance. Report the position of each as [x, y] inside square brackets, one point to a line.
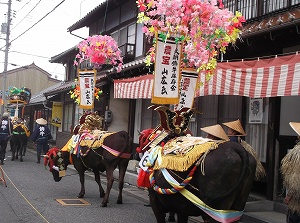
[40, 136]
[215, 132]
[290, 166]
[5, 133]
[235, 130]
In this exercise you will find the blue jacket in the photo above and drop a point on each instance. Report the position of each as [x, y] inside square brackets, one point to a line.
[5, 128]
[41, 134]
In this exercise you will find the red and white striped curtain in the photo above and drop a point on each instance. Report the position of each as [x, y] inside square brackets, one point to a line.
[279, 76]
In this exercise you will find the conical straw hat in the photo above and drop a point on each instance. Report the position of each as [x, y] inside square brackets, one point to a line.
[237, 126]
[217, 131]
[296, 127]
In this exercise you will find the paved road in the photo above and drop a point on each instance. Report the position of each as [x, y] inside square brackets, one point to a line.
[31, 193]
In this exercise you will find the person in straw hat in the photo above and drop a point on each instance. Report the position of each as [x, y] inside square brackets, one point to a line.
[40, 137]
[215, 132]
[290, 166]
[235, 131]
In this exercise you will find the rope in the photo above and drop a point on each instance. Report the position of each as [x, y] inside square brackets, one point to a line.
[175, 188]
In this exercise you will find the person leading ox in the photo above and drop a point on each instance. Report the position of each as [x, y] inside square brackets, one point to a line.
[40, 137]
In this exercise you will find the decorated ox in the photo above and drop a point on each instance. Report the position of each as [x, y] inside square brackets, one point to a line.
[194, 176]
[101, 153]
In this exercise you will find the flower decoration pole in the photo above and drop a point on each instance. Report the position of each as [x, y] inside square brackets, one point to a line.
[204, 25]
[100, 50]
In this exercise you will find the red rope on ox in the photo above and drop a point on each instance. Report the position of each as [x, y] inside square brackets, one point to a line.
[48, 160]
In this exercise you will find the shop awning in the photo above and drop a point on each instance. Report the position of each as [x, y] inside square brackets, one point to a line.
[279, 76]
[137, 87]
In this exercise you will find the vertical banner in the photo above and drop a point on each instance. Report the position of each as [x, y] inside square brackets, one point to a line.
[187, 89]
[56, 114]
[87, 83]
[167, 72]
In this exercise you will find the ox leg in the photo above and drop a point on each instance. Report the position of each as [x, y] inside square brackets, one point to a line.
[171, 217]
[21, 152]
[97, 179]
[110, 181]
[82, 190]
[122, 171]
[182, 218]
[156, 207]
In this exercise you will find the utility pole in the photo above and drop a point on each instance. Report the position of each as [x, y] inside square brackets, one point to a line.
[7, 45]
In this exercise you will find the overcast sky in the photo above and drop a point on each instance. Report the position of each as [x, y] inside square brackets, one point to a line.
[47, 38]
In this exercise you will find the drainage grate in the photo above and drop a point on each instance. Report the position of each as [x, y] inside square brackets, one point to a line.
[73, 202]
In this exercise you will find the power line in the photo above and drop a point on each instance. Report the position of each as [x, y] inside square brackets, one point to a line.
[35, 23]
[13, 51]
[27, 13]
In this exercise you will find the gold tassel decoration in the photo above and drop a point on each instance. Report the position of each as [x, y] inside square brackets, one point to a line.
[182, 162]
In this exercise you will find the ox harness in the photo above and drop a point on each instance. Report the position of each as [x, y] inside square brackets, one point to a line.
[180, 154]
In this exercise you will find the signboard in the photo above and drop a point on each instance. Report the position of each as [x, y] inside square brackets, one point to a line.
[87, 79]
[167, 72]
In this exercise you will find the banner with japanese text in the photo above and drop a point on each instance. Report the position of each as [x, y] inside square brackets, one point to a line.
[187, 89]
[167, 72]
[87, 83]
[57, 113]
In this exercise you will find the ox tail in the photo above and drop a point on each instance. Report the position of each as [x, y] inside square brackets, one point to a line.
[245, 163]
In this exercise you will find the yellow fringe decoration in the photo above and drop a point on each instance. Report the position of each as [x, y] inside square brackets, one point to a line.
[182, 162]
[260, 170]
[290, 169]
[97, 142]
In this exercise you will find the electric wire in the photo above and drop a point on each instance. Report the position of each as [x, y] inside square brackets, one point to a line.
[27, 13]
[34, 24]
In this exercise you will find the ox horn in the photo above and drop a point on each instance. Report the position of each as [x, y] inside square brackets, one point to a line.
[55, 168]
[139, 132]
[45, 156]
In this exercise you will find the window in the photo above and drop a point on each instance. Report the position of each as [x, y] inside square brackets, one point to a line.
[150, 118]
[125, 38]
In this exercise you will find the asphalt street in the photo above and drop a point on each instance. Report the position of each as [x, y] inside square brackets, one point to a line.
[31, 196]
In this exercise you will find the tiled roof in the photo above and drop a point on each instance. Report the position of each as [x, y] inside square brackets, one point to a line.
[40, 97]
[66, 86]
[272, 22]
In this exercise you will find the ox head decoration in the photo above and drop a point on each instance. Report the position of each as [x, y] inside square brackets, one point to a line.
[55, 161]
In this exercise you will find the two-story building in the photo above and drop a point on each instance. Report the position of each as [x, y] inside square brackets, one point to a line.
[271, 30]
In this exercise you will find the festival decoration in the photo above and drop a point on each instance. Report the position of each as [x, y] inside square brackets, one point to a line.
[99, 50]
[18, 95]
[75, 93]
[204, 26]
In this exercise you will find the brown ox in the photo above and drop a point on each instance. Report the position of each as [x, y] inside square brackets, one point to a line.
[116, 152]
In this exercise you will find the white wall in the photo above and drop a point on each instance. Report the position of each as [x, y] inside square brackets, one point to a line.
[289, 112]
[120, 113]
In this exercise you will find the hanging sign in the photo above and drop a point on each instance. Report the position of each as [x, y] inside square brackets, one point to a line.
[87, 86]
[256, 110]
[187, 89]
[56, 114]
[167, 72]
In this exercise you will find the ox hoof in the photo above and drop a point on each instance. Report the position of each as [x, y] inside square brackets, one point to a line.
[12, 159]
[80, 195]
[119, 202]
[104, 204]
[21, 160]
